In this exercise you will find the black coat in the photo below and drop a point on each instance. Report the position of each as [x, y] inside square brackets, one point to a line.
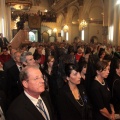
[14, 87]
[23, 109]
[68, 107]
[116, 93]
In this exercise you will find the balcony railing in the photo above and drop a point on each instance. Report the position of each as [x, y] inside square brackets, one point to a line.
[14, 2]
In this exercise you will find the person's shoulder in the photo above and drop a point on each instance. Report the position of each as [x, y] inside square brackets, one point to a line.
[95, 84]
[65, 88]
[18, 102]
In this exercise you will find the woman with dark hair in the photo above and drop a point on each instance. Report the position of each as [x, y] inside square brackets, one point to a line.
[72, 99]
[100, 93]
[101, 54]
[83, 69]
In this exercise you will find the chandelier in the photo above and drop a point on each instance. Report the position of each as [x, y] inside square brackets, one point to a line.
[66, 28]
[83, 24]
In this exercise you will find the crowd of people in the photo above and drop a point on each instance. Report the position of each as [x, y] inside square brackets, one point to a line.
[60, 81]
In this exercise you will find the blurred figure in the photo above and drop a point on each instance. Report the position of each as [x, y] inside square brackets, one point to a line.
[101, 54]
[116, 87]
[79, 54]
[3, 41]
[5, 56]
[10, 62]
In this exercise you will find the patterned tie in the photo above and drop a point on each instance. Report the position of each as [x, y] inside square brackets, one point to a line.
[41, 108]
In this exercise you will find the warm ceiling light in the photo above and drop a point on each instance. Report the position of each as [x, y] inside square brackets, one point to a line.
[55, 30]
[83, 24]
[66, 28]
[45, 10]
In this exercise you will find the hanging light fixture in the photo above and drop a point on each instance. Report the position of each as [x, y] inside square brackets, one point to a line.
[83, 24]
[65, 28]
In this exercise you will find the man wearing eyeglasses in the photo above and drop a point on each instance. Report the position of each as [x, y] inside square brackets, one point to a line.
[26, 106]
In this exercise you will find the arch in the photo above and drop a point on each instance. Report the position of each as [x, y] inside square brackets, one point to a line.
[61, 19]
[72, 11]
[90, 5]
[45, 36]
[94, 39]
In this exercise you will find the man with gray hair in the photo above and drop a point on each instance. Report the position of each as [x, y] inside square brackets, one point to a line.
[27, 59]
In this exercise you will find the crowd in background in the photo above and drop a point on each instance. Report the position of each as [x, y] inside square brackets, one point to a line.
[83, 80]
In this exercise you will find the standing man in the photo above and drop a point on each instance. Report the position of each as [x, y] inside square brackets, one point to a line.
[3, 41]
[27, 105]
[14, 87]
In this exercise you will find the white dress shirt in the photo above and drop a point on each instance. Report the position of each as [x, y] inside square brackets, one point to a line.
[34, 101]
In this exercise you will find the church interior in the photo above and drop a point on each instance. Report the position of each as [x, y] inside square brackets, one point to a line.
[57, 20]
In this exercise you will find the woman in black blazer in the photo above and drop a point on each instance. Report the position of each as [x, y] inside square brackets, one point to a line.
[72, 99]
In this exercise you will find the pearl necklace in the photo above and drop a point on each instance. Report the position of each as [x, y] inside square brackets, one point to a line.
[103, 83]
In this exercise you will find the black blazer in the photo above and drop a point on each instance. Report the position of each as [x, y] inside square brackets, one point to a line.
[8, 64]
[14, 87]
[23, 109]
[68, 107]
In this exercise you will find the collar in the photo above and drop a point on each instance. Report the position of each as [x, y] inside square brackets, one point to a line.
[33, 100]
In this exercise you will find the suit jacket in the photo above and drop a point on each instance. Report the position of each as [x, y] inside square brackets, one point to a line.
[68, 107]
[23, 109]
[14, 87]
[8, 64]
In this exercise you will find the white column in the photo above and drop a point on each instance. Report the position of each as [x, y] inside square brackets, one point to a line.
[8, 31]
[2, 16]
[110, 19]
[5, 20]
[115, 24]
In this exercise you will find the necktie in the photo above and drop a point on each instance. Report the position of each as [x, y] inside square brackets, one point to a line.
[41, 108]
[20, 68]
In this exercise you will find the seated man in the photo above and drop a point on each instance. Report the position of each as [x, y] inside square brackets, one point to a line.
[34, 103]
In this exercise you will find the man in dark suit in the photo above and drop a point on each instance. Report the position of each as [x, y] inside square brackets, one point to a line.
[14, 87]
[25, 106]
[3, 41]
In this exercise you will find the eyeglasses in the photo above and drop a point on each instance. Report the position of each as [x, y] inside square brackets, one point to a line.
[36, 78]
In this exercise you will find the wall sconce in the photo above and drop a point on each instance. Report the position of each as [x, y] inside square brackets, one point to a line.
[83, 24]
[55, 30]
[65, 28]
[49, 32]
